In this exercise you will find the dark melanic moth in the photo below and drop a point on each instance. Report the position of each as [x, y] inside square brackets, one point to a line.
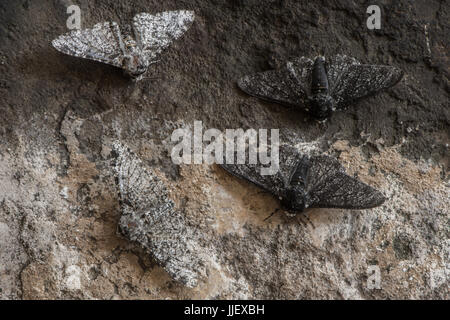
[309, 182]
[134, 48]
[320, 86]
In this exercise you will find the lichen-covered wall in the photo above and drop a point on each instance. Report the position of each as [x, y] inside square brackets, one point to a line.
[59, 115]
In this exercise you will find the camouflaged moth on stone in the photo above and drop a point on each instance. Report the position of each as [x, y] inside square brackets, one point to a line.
[309, 182]
[150, 218]
[134, 48]
[320, 86]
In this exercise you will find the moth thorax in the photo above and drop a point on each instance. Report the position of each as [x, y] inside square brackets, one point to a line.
[135, 64]
[129, 42]
[295, 199]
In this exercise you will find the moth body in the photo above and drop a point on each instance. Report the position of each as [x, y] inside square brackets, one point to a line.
[320, 100]
[135, 62]
[319, 80]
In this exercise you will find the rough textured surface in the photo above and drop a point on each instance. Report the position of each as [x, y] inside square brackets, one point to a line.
[59, 206]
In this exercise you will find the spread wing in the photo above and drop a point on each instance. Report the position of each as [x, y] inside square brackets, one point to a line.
[350, 80]
[273, 183]
[289, 85]
[154, 33]
[101, 43]
[328, 186]
[149, 218]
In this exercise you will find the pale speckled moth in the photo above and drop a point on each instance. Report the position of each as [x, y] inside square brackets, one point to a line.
[149, 217]
[133, 48]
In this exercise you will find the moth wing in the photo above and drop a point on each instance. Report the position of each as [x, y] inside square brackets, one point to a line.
[101, 43]
[288, 86]
[301, 69]
[273, 183]
[350, 80]
[139, 188]
[336, 66]
[149, 218]
[328, 186]
[154, 33]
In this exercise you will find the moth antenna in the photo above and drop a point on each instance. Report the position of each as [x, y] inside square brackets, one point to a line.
[303, 214]
[276, 210]
[303, 222]
[151, 78]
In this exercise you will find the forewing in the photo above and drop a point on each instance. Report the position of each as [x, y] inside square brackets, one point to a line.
[139, 188]
[154, 33]
[149, 218]
[349, 80]
[101, 43]
[288, 86]
[337, 66]
[275, 183]
[328, 186]
[301, 70]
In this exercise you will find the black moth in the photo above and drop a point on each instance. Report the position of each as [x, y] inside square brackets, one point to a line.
[310, 182]
[320, 86]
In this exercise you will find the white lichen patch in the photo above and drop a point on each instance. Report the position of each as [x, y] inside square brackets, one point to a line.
[72, 280]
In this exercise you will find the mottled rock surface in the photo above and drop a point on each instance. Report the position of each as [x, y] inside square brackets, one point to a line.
[59, 205]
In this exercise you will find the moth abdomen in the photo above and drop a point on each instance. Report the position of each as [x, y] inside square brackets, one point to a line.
[319, 77]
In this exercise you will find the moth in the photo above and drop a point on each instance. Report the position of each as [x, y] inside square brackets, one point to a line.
[134, 48]
[305, 182]
[320, 86]
[149, 218]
